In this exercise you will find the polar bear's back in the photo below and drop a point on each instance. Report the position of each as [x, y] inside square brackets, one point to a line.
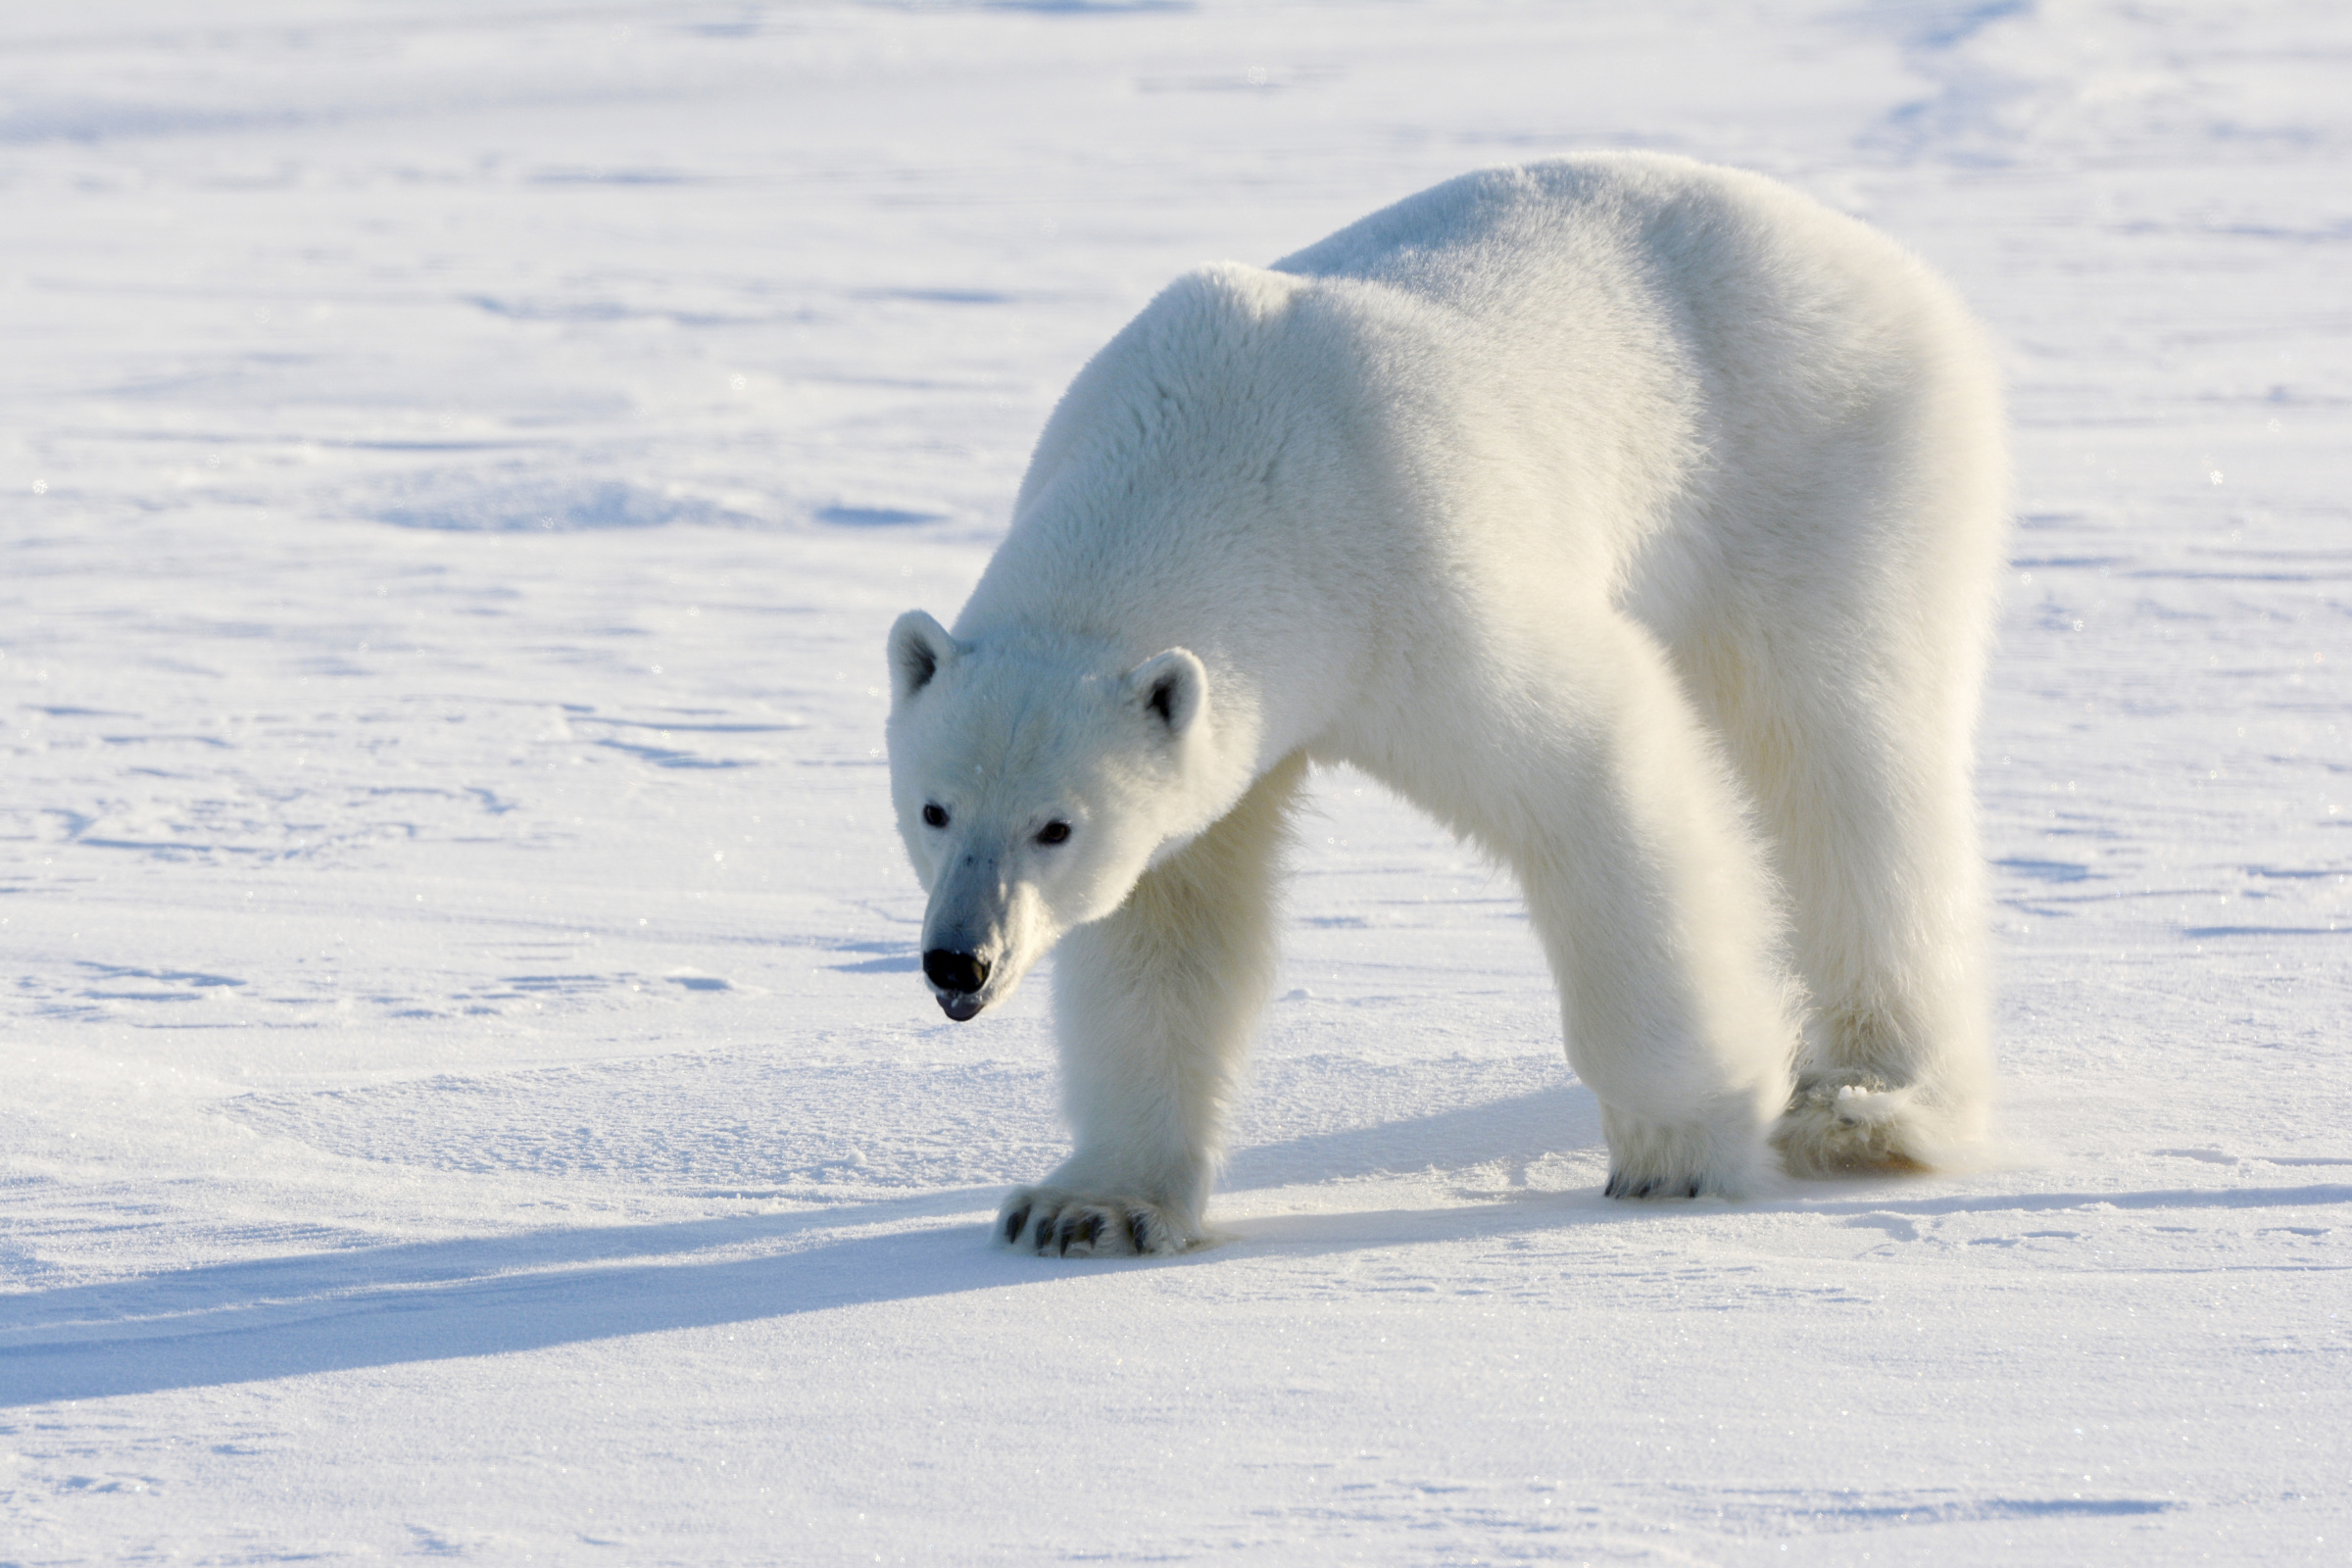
[1695, 354]
[1728, 293]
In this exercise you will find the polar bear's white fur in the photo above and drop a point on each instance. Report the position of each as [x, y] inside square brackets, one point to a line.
[1636, 517]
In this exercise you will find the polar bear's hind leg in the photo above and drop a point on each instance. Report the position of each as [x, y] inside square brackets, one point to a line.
[1869, 805]
[1873, 832]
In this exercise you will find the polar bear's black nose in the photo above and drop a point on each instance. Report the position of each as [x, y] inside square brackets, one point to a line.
[955, 971]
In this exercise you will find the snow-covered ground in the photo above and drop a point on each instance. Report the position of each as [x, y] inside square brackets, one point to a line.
[465, 1090]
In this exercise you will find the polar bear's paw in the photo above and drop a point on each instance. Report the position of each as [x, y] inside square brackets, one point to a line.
[1052, 1222]
[1695, 1159]
[1847, 1123]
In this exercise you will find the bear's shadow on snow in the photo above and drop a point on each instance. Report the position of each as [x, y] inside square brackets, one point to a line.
[489, 1295]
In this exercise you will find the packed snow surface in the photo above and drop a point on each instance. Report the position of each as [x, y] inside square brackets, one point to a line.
[466, 1091]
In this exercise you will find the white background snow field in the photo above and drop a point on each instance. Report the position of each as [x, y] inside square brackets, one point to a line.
[465, 1089]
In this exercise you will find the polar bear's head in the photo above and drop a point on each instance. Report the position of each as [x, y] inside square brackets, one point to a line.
[1034, 781]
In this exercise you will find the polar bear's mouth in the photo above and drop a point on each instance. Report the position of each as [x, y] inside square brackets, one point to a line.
[955, 980]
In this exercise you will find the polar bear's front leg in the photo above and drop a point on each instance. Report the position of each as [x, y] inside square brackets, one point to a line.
[1649, 889]
[1645, 881]
[1154, 1006]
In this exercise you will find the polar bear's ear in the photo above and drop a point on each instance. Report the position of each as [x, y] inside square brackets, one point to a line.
[1172, 688]
[918, 648]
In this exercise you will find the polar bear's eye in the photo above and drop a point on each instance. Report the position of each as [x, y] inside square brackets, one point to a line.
[1053, 833]
[935, 815]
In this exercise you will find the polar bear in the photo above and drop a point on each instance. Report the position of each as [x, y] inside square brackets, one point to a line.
[1636, 517]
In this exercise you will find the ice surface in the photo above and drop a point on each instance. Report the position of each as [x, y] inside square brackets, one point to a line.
[465, 1089]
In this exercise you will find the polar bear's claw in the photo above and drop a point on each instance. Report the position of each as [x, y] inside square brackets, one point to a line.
[1622, 1185]
[1065, 1225]
[1084, 1232]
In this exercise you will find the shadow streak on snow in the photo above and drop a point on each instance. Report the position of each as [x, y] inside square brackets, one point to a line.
[2044, 1202]
[442, 1301]
[1522, 1128]
[488, 1296]
[1311, 1235]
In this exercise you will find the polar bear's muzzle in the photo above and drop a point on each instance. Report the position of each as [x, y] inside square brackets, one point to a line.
[980, 934]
